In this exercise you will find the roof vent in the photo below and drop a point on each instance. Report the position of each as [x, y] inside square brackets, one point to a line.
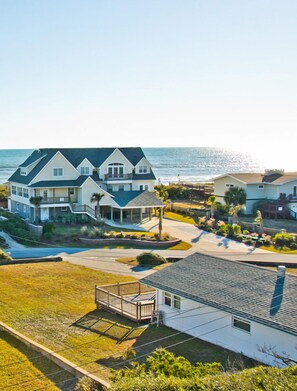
[272, 171]
[281, 271]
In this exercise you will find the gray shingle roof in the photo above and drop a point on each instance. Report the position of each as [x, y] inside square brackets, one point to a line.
[275, 178]
[132, 198]
[141, 177]
[66, 183]
[75, 156]
[249, 291]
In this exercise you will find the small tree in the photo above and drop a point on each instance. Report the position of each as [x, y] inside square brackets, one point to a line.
[212, 202]
[235, 196]
[97, 197]
[259, 221]
[233, 211]
[36, 201]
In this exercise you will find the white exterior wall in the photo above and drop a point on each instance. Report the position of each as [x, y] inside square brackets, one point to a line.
[143, 162]
[287, 187]
[215, 326]
[116, 157]
[46, 174]
[220, 187]
[16, 197]
[85, 163]
[87, 190]
[150, 183]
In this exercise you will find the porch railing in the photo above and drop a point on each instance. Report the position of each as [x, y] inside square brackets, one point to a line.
[113, 177]
[120, 298]
[57, 200]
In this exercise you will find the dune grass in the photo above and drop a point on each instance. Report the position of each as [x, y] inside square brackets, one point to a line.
[54, 305]
[25, 369]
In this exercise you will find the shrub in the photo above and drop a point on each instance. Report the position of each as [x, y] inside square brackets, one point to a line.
[49, 227]
[245, 232]
[4, 256]
[48, 235]
[149, 258]
[84, 230]
[283, 239]
[120, 235]
[293, 246]
[249, 242]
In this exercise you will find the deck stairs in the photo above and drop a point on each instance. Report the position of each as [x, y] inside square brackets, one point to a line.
[83, 209]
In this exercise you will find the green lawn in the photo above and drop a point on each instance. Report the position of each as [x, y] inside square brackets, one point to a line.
[54, 304]
[179, 217]
[24, 369]
[278, 250]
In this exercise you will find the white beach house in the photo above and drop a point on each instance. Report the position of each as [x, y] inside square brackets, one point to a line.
[244, 308]
[66, 178]
[277, 187]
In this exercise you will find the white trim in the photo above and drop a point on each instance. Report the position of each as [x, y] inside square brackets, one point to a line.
[116, 149]
[103, 191]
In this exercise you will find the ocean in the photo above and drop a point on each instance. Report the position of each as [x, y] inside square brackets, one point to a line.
[169, 164]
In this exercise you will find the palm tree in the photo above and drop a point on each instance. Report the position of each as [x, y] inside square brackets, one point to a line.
[36, 201]
[160, 223]
[233, 211]
[212, 202]
[235, 196]
[97, 197]
[162, 192]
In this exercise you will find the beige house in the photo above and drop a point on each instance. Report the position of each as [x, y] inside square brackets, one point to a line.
[277, 187]
[66, 178]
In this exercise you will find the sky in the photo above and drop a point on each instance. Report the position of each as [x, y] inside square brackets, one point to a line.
[154, 73]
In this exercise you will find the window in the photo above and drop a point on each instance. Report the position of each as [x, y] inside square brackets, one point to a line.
[85, 170]
[58, 171]
[229, 185]
[143, 169]
[71, 191]
[167, 299]
[26, 193]
[17, 206]
[260, 186]
[13, 189]
[121, 187]
[141, 187]
[241, 324]
[20, 191]
[116, 170]
[176, 302]
[23, 170]
[146, 187]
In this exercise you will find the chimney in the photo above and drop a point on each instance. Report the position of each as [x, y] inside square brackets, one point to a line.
[281, 271]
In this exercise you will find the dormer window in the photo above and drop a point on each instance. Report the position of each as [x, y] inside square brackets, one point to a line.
[85, 170]
[143, 169]
[23, 170]
[58, 171]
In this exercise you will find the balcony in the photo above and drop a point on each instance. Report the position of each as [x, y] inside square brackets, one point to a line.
[119, 177]
[58, 200]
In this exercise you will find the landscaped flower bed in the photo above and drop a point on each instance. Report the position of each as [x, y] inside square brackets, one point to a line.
[282, 240]
[148, 239]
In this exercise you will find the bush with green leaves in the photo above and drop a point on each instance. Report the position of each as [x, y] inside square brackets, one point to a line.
[17, 228]
[150, 258]
[283, 239]
[4, 256]
[163, 371]
[48, 227]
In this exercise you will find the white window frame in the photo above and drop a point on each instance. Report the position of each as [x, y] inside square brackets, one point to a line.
[20, 191]
[238, 320]
[229, 185]
[17, 206]
[261, 187]
[85, 170]
[23, 171]
[13, 190]
[167, 299]
[176, 302]
[143, 169]
[58, 171]
[25, 193]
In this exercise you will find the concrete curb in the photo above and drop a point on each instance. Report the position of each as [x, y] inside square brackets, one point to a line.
[29, 260]
[56, 358]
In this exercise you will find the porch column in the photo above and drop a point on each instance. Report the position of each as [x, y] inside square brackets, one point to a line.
[140, 214]
[150, 213]
[131, 215]
[111, 213]
[121, 216]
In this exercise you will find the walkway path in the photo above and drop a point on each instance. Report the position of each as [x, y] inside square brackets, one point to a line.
[12, 244]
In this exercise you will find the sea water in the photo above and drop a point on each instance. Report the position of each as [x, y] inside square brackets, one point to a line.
[169, 164]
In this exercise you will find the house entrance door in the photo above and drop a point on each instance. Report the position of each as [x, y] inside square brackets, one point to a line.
[44, 214]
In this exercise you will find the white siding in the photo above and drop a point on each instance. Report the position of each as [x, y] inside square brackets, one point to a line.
[215, 326]
[116, 157]
[46, 174]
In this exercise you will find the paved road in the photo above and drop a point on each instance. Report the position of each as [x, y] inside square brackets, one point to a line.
[204, 242]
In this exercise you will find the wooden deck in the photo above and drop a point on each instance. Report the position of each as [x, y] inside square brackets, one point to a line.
[133, 300]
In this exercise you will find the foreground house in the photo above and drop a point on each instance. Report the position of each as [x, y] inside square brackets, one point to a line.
[66, 178]
[276, 187]
[244, 308]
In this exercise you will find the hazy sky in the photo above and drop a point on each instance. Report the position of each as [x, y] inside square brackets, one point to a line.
[148, 73]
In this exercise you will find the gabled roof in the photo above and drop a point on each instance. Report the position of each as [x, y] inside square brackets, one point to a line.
[141, 177]
[248, 291]
[136, 199]
[75, 156]
[62, 183]
[255, 178]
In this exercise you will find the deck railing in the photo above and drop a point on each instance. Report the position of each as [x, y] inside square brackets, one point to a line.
[119, 298]
[56, 200]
